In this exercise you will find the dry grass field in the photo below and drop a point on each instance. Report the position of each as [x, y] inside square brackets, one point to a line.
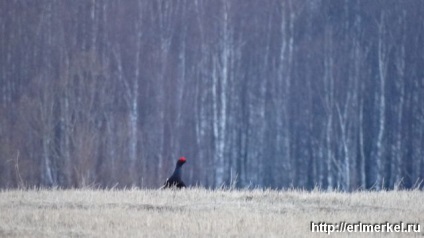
[199, 212]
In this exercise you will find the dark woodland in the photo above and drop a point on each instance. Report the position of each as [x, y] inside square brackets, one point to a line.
[254, 93]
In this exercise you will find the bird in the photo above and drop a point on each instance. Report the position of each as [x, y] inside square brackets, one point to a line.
[175, 179]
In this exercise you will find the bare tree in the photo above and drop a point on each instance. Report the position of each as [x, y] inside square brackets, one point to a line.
[283, 141]
[396, 165]
[220, 80]
[383, 61]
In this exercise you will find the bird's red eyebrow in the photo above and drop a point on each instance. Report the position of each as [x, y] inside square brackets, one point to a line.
[182, 159]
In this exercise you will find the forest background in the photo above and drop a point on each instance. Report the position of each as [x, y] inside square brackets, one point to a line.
[275, 93]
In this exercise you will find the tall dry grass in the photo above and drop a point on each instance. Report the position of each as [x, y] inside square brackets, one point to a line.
[198, 212]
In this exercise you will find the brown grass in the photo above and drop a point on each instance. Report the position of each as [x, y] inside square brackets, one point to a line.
[198, 212]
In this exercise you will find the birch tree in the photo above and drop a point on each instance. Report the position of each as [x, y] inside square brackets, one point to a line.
[329, 106]
[396, 165]
[380, 107]
[220, 78]
[283, 141]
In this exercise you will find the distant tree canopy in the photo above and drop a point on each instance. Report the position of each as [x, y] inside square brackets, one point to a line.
[276, 93]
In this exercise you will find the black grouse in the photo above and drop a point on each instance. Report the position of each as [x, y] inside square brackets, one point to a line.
[175, 179]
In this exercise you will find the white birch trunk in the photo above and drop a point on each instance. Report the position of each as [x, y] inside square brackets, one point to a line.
[284, 84]
[329, 104]
[220, 81]
[165, 18]
[47, 167]
[345, 170]
[133, 129]
[400, 86]
[133, 94]
[382, 73]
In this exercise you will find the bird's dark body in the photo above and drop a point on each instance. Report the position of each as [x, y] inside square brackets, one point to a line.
[175, 179]
[174, 182]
